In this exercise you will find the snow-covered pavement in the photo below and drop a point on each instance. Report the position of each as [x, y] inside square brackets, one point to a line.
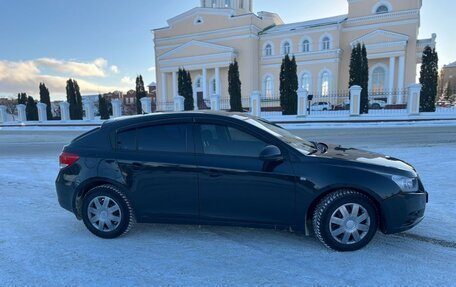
[43, 245]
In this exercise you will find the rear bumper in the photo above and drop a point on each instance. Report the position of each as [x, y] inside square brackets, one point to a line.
[403, 211]
[65, 193]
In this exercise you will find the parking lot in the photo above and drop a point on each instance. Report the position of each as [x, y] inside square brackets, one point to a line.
[43, 245]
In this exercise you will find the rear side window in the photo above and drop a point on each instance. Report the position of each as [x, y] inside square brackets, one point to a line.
[166, 138]
[159, 138]
[127, 140]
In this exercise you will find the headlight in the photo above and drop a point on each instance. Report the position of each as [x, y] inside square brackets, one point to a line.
[406, 184]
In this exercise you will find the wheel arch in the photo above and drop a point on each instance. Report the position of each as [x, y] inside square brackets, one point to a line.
[375, 199]
[87, 185]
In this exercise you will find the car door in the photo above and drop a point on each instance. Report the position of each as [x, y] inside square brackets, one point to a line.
[158, 163]
[234, 184]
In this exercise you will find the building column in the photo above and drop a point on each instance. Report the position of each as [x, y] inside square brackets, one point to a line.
[164, 88]
[217, 81]
[204, 83]
[400, 81]
[392, 68]
[175, 85]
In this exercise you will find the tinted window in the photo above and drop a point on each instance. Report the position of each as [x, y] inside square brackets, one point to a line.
[165, 138]
[126, 140]
[224, 140]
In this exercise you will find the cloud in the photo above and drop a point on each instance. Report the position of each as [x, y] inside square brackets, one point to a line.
[79, 69]
[114, 69]
[128, 81]
[25, 76]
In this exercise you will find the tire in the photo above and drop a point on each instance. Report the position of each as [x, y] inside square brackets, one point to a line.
[114, 209]
[345, 232]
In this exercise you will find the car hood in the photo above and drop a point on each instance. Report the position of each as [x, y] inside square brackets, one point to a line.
[364, 157]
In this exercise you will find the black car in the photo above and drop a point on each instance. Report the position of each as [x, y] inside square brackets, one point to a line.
[233, 169]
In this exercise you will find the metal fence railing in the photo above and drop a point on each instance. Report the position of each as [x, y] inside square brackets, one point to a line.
[387, 102]
[167, 106]
[335, 103]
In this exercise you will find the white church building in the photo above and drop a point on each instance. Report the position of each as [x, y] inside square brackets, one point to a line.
[206, 39]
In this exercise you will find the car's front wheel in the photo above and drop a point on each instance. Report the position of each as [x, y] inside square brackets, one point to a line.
[106, 212]
[345, 220]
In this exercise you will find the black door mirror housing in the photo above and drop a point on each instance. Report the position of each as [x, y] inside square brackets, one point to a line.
[271, 153]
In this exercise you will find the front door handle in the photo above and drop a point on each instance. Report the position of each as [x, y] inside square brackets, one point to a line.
[214, 173]
[136, 165]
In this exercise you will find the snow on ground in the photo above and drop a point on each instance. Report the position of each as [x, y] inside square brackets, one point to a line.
[43, 245]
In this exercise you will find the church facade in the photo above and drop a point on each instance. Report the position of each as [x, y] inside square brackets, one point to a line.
[206, 39]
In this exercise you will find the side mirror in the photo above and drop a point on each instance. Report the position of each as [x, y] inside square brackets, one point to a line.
[271, 153]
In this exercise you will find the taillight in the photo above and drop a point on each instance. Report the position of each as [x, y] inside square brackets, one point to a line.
[67, 159]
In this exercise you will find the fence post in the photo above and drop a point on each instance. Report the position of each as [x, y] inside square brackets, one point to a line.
[179, 103]
[413, 100]
[255, 103]
[64, 111]
[215, 102]
[146, 105]
[302, 102]
[42, 114]
[3, 115]
[355, 100]
[21, 113]
[89, 109]
[116, 108]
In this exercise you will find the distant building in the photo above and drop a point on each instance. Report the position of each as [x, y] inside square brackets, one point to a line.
[447, 82]
[206, 39]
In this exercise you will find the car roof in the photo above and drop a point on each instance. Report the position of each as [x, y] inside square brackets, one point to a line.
[138, 119]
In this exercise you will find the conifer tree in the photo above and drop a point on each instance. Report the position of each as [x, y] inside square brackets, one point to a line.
[103, 107]
[46, 99]
[288, 86]
[429, 79]
[22, 98]
[31, 109]
[234, 87]
[140, 93]
[359, 74]
[188, 94]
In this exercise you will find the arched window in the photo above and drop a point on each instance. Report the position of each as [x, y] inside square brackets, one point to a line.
[227, 3]
[305, 81]
[198, 83]
[325, 82]
[268, 50]
[286, 48]
[382, 9]
[268, 87]
[306, 46]
[326, 43]
[378, 79]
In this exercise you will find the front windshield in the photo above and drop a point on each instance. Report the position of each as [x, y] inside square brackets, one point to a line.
[298, 143]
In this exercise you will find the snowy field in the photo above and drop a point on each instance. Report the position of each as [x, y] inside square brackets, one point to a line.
[43, 245]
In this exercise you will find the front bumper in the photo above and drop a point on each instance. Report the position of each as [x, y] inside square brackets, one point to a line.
[403, 211]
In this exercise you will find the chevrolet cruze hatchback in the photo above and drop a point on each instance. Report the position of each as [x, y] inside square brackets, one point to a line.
[233, 169]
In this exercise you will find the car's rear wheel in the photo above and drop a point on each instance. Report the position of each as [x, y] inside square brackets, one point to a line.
[106, 212]
[345, 220]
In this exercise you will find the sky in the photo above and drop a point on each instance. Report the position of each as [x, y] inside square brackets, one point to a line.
[105, 44]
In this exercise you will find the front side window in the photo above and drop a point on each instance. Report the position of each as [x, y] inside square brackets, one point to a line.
[230, 141]
[159, 138]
